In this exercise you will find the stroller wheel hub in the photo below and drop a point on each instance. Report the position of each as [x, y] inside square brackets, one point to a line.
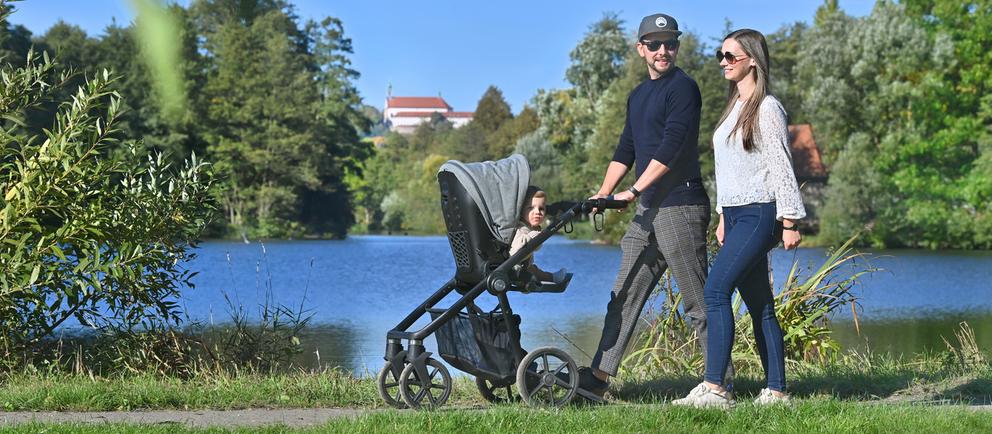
[548, 379]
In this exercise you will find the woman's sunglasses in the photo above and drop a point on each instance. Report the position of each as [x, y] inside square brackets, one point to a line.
[653, 46]
[728, 56]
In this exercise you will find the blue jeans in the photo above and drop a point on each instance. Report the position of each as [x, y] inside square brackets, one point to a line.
[750, 231]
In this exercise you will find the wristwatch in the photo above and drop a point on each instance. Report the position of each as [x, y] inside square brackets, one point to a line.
[634, 191]
[794, 227]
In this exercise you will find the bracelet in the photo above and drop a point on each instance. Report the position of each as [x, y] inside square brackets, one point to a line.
[634, 191]
[794, 227]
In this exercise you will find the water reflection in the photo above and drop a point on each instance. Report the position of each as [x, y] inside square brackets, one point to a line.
[913, 335]
[330, 346]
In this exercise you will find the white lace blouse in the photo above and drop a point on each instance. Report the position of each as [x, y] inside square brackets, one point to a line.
[763, 174]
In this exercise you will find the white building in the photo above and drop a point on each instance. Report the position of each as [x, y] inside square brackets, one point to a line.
[404, 113]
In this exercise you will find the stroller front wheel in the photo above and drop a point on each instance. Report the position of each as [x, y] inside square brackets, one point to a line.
[547, 377]
[432, 391]
[388, 385]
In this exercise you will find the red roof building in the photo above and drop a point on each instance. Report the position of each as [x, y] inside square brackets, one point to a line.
[404, 113]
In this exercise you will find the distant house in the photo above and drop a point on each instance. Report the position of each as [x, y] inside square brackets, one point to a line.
[810, 172]
[404, 113]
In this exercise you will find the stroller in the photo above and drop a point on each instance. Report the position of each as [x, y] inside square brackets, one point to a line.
[481, 203]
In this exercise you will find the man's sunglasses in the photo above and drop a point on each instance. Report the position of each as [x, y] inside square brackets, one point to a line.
[728, 56]
[670, 44]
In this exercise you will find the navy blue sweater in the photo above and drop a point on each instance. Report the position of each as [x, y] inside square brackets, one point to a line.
[663, 124]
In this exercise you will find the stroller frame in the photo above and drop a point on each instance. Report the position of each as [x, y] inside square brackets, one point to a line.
[480, 268]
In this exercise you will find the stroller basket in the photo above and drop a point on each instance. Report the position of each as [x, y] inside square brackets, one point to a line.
[479, 344]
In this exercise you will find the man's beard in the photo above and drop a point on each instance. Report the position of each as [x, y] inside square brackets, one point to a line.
[671, 64]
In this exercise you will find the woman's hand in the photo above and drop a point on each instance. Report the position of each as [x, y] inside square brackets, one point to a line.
[790, 239]
[719, 231]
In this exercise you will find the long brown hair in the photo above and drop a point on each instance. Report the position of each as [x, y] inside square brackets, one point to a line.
[755, 47]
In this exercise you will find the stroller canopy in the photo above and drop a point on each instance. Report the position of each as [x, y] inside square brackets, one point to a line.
[498, 188]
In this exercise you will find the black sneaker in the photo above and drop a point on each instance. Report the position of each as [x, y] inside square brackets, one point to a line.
[592, 384]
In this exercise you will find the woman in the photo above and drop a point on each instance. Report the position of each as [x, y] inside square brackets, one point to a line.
[758, 202]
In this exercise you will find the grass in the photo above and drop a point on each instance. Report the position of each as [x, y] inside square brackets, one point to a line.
[74, 392]
[859, 393]
[858, 377]
[811, 416]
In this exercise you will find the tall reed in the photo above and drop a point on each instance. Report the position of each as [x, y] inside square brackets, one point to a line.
[668, 343]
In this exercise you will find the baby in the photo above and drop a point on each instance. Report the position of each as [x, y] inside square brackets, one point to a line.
[535, 206]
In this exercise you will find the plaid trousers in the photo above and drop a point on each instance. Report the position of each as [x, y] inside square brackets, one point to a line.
[658, 238]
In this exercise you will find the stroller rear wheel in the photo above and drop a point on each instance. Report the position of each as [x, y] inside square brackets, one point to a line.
[428, 392]
[496, 393]
[553, 383]
[388, 384]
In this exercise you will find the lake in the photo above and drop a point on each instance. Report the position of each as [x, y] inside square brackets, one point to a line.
[359, 288]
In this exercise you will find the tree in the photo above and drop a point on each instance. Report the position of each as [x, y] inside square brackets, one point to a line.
[961, 109]
[905, 155]
[502, 141]
[599, 58]
[492, 111]
[72, 47]
[468, 143]
[15, 41]
[824, 64]
[341, 120]
[282, 119]
[783, 48]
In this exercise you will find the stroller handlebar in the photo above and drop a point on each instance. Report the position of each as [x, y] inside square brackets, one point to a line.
[586, 206]
[604, 203]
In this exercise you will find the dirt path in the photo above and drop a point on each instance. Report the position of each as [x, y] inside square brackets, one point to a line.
[292, 417]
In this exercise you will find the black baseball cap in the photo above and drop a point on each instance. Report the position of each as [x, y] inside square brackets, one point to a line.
[658, 23]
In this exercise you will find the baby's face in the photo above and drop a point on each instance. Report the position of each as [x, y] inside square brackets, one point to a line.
[535, 212]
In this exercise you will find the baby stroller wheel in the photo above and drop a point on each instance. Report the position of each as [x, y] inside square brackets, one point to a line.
[496, 393]
[388, 384]
[553, 383]
[436, 390]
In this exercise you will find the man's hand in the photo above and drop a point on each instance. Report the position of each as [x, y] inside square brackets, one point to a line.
[625, 196]
[719, 231]
[597, 196]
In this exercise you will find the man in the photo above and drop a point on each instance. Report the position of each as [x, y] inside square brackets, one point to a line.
[669, 227]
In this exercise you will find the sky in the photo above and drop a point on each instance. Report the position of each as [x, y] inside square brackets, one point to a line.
[458, 48]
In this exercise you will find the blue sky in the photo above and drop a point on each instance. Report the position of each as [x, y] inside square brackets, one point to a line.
[459, 48]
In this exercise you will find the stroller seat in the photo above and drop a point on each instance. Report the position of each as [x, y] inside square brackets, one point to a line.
[480, 203]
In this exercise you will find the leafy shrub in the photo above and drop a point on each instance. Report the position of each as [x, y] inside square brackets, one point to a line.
[89, 229]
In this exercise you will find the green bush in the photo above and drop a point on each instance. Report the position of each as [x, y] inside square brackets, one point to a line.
[87, 233]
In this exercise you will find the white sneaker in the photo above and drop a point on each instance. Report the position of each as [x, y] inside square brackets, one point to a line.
[703, 396]
[766, 397]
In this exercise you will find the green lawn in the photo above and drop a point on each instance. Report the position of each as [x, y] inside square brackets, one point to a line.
[922, 380]
[858, 394]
